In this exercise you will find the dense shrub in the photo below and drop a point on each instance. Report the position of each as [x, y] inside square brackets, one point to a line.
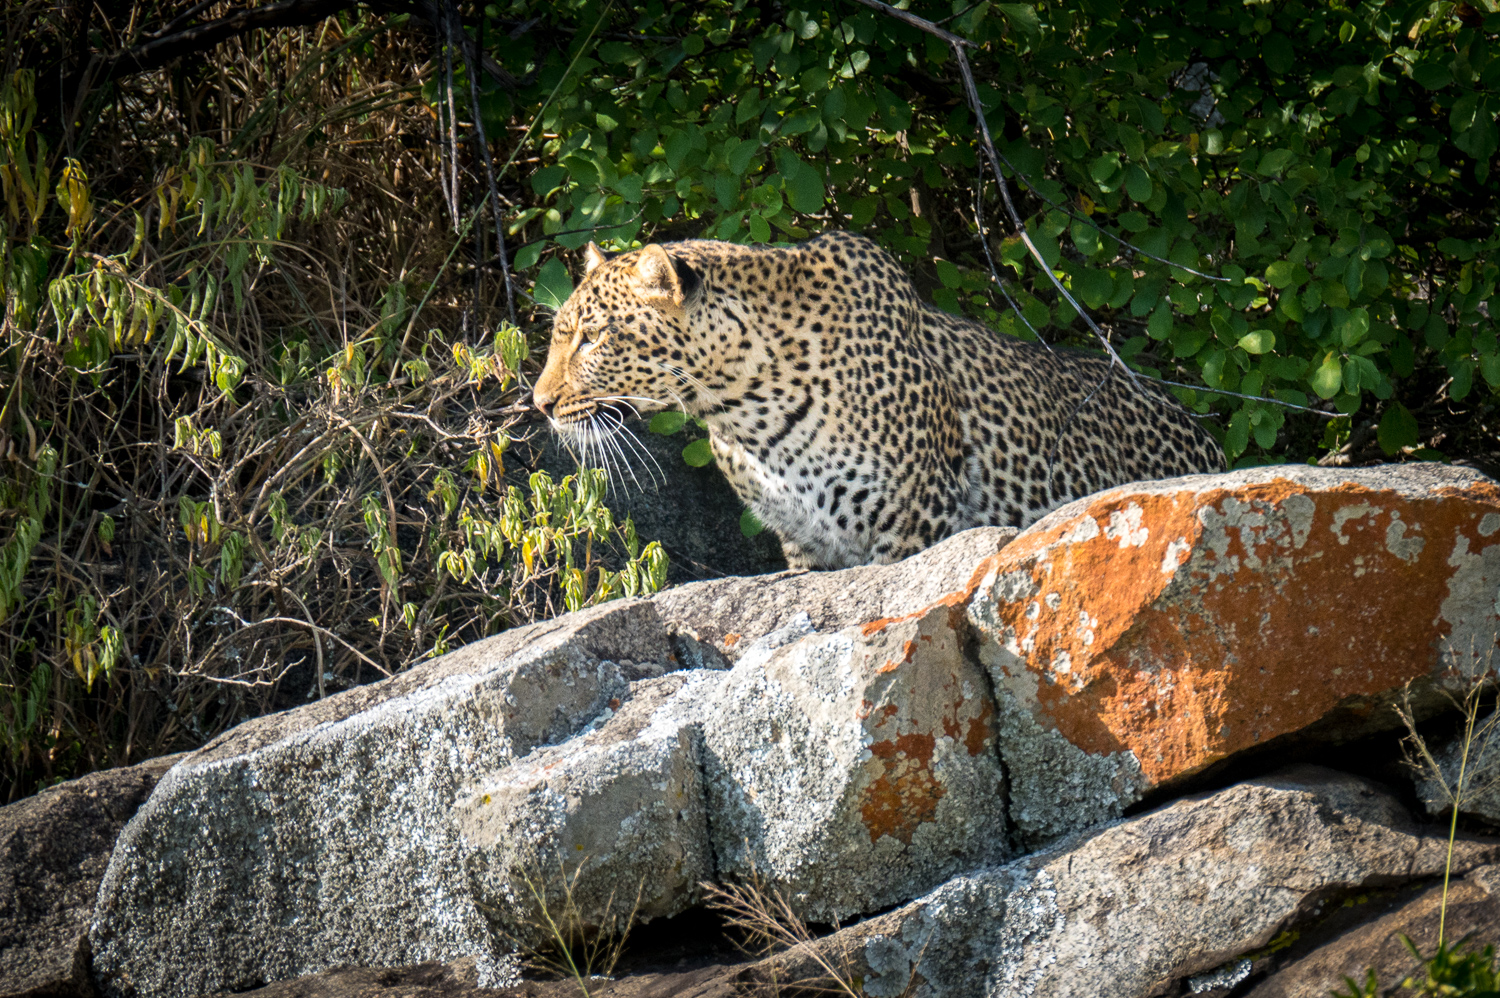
[260, 364]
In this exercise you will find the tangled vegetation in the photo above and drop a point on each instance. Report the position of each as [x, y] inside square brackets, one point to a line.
[274, 272]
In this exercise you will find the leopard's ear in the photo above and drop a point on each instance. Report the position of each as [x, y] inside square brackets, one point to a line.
[593, 256]
[665, 279]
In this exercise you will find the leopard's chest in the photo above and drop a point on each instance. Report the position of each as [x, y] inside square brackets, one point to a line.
[805, 493]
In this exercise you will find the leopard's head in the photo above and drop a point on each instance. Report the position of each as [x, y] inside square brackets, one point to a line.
[619, 342]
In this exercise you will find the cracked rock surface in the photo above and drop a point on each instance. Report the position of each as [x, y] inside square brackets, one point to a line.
[1130, 908]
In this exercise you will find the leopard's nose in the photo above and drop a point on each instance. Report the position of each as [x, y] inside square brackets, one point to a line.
[543, 402]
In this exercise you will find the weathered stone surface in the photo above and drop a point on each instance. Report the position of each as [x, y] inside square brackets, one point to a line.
[731, 614]
[457, 981]
[1480, 772]
[325, 836]
[606, 825]
[425, 980]
[54, 848]
[1373, 941]
[855, 769]
[1130, 908]
[1139, 635]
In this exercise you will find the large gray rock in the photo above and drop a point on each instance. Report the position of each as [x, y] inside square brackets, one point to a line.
[1143, 634]
[850, 771]
[326, 835]
[732, 614]
[604, 827]
[54, 848]
[1128, 909]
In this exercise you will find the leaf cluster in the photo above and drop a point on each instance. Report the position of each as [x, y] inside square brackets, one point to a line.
[1328, 166]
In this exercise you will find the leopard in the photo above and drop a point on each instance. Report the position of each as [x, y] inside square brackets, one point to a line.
[859, 423]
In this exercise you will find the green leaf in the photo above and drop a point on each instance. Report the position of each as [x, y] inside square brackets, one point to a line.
[1137, 184]
[1264, 424]
[1188, 340]
[948, 273]
[1258, 341]
[667, 422]
[545, 180]
[760, 229]
[1085, 237]
[528, 255]
[1456, 247]
[740, 156]
[1238, 436]
[629, 187]
[1278, 53]
[1354, 327]
[1159, 326]
[1489, 366]
[1022, 17]
[1329, 377]
[1093, 286]
[748, 106]
[1284, 273]
[750, 525]
[1274, 162]
[553, 285]
[804, 187]
[1398, 429]
[698, 454]
[1462, 371]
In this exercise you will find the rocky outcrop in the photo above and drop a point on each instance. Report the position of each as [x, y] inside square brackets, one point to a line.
[54, 848]
[1142, 634]
[435, 980]
[1129, 909]
[853, 740]
[855, 769]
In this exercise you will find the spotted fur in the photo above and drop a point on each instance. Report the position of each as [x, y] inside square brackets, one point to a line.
[859, 423]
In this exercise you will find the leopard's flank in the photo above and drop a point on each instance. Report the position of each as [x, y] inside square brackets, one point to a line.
[859, 423]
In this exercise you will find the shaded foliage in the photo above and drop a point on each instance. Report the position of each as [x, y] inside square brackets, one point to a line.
[259, 378]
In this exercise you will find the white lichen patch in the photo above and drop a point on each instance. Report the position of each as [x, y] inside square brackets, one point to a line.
[1125, 527]
[1408, 549]
[1177, 552]
[1086, 529]
[1267, 533]
[1344, 514]
[1471, 610]
[1055, 786]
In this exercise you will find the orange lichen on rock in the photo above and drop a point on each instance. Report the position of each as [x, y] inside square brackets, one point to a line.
[906, 793]
[942, 695]
[1184, 624]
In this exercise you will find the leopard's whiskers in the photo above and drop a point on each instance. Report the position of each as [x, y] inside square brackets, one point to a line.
[659, 476]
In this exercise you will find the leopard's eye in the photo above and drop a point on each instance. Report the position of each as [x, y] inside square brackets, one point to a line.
[588, 339]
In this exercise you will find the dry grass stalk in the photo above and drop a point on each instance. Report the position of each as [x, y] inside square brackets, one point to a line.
[776, 932]
[1478, 751]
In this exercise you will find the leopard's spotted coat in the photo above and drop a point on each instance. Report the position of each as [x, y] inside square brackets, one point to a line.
[859, 423]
